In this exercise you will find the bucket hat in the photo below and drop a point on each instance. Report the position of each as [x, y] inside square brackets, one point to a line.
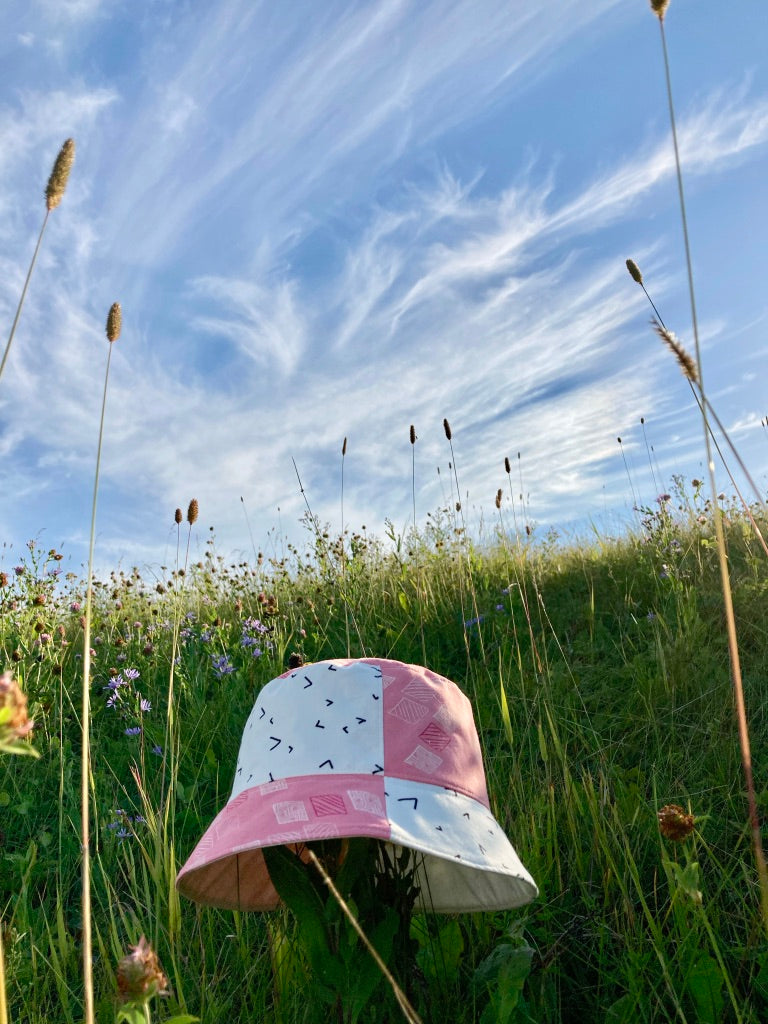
[361, 747]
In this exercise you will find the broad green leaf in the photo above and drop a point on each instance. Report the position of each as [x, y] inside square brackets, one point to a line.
[705, 984]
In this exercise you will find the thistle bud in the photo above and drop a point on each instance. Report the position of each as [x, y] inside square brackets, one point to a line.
[674, 823]
[57, 183]
[139, 975]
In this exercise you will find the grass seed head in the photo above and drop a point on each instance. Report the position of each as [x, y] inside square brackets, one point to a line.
[447, 429]
[498, 498]
[674, 823]
[114, 322]
[507, 465]
[177, 516]
[413, 434]
[686, 361]
[57, 183]
[344, 448]
[634, 271]
[659, 8]
[192, 511]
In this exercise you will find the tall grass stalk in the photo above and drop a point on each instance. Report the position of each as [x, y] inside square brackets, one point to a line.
[659, 7]
[343, 552]
[57, 183]
[402, 1001]
[114, 324]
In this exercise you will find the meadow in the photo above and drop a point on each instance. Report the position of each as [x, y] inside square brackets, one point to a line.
[616, 686]
[599, 676]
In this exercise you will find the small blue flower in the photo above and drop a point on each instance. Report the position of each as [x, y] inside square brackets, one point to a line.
[133, 731]
[157, 749]
[222, 666]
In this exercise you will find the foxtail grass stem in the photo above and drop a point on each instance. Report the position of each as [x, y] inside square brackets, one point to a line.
[85, 778]
[3, 1008]
[23, 294]
[733, 647]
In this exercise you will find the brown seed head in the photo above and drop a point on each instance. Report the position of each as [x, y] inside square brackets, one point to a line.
[295, 660]
[634, 271]
[447, 429]
[114, 322]
[344, 448]
[686, 362]
[192, 511]
[57, 183]
[139, 975]
[14, 723]
[507, 465]
[674, 823]
[498, 498]
[178, 516]
[413, 434]
[659, 8]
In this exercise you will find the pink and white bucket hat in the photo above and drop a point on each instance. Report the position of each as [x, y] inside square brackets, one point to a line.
[361, 748]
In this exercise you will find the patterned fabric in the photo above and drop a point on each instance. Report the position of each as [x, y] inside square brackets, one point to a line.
[361, 748]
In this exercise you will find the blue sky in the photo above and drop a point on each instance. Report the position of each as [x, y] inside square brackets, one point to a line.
[329, 220]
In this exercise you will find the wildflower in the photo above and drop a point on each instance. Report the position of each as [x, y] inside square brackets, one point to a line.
[14, 722]
[19, 570]
[157, 749]
[134, 730]
[139, 975]
[674, 823]
[75, 606]
[145, 705]
[222, 666]
[131, 673]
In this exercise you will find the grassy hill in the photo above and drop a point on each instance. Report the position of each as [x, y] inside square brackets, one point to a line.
[599, 676]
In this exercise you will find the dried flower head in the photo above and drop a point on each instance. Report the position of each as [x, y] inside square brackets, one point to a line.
[139, 975]
[57, 183]
[192, 511]
[686, 361]
[114, 322]
[295, 660]
[659, 8]
[447, 429]
[178, 516]
[413, 434]
[634, 271]
[674, 823]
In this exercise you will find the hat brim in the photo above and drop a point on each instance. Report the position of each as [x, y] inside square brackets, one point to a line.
[464, 861]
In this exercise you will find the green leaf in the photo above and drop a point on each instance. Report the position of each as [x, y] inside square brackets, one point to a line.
[182, 1018]
[705, 984]
[623, 1011]
[365, 973]
[404, 603]
[505, 714]
[131, 1013]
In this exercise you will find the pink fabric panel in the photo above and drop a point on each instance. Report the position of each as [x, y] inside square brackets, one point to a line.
[295, 810]
[429, 731]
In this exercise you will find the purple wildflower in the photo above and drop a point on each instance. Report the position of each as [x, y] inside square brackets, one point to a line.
[132, 673]
[145, 705]
[222, 666]
[133, 731]
[75, 606]
[157, 749]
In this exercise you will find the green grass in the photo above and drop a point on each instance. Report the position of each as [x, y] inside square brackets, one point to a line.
[599, 677]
